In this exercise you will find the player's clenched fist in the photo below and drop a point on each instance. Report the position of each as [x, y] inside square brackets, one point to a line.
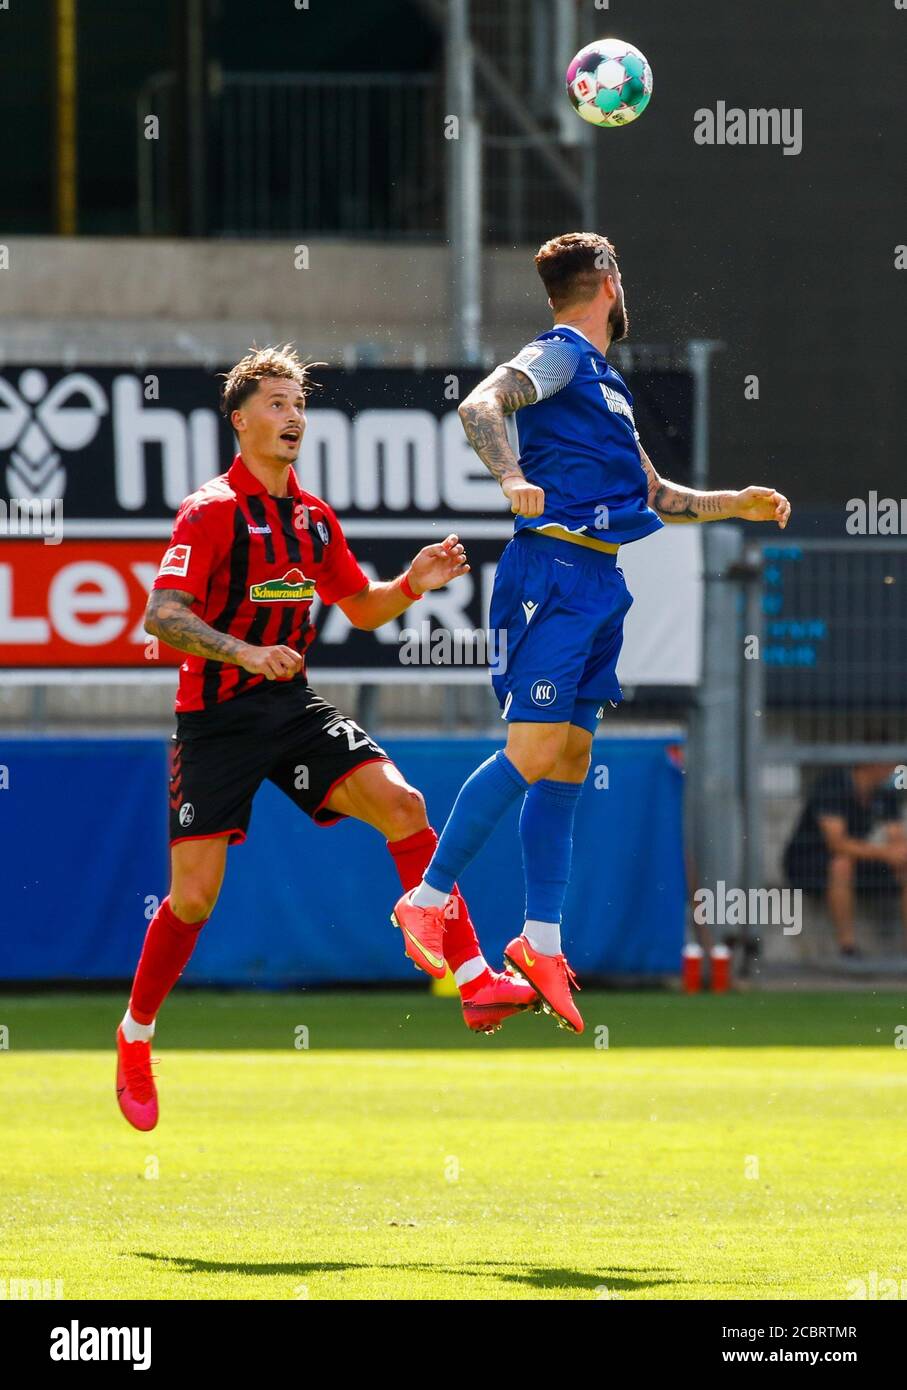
[524, 497]
[274, 663]
[762, 504]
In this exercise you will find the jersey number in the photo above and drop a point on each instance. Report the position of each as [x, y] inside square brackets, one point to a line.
[352, 731]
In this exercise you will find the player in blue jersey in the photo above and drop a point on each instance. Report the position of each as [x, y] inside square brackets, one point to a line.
[555, 426]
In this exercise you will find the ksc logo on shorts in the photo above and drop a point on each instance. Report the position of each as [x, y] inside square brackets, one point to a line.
[543, 693]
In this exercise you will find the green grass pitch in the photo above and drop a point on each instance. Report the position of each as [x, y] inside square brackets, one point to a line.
[735, 1147]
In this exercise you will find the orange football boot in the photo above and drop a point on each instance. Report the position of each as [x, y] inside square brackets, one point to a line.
[136, 1091]
[485, 1010]
[551, 978]
[423, 935]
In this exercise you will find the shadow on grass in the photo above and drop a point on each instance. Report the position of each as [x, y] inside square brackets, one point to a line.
[309, 1022]
[613, 1280]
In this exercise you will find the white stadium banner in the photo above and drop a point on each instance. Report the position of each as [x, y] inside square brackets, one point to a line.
[663, 629]
[94, 463]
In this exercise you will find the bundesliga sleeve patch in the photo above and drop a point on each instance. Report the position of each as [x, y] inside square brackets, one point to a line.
[176, 561]
[528, 355]
[550, 365]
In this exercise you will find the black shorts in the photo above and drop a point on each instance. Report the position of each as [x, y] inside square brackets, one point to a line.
[281, 731]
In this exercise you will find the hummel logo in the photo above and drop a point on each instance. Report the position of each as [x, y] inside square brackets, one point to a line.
[529, 609]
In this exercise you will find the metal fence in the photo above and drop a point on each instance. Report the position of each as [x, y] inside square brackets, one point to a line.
[801, 716]
[537, 154]
[358, 154]
[354, 154]
[833, 672]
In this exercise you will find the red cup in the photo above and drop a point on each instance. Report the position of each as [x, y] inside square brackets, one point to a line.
[720, 957]
[691, 976]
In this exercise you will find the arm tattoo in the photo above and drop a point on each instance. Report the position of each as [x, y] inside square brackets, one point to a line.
[685, 504]
[483, 412]
[676, 503]
[170, 617]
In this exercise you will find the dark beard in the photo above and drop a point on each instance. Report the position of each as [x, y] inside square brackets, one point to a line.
[619, 320]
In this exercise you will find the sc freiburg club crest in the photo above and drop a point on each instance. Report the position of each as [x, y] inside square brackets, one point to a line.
[293, 588]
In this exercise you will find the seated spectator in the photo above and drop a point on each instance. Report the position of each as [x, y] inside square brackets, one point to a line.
[836, 851]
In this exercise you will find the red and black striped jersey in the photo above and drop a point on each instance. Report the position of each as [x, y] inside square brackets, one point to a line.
[253, 563]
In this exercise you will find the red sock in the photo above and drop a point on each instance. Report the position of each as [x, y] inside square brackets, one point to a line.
[169, 942]
[412, 856]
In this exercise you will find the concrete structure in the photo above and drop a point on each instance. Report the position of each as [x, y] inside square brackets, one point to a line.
[94, 300]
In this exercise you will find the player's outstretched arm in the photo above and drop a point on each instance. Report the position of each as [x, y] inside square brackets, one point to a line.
[673, 502]
[169, 617]
[483, 413]
[380, 600]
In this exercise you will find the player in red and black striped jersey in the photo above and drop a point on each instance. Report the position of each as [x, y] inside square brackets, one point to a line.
[252, 564]
[249, 552]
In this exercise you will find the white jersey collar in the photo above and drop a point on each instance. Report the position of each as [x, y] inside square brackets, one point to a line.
[579, 332]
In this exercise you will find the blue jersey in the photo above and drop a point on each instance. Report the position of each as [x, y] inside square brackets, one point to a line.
[578, 441]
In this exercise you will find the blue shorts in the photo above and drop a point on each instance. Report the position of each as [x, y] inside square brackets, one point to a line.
[558, 612]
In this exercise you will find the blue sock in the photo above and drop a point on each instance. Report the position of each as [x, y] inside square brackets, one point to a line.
[546, 835]
[482, 801]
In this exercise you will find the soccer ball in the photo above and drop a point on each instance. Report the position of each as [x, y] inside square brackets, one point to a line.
[609, 82]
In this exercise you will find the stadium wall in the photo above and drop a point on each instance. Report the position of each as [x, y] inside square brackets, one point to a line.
[108, 300]
[306, 906]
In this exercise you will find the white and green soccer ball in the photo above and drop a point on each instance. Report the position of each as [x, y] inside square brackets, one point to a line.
[609, 82]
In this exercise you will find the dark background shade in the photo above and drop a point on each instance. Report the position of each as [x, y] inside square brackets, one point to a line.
[788, 261]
